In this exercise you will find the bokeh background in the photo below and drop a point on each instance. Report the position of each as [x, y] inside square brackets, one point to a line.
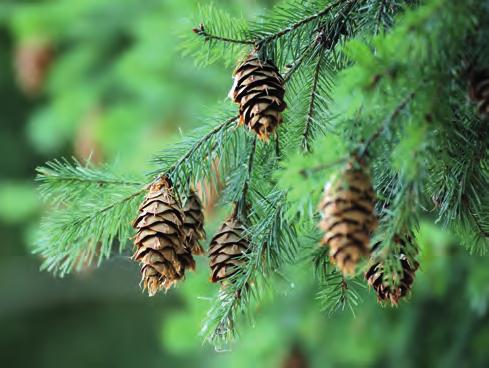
[106, 79]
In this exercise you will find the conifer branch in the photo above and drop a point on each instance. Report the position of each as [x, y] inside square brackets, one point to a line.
[62, 181]
[306, 172]
[260, 41]
[199, 156]
[198, 144]
[242, 204]
[302, 22]
[337, 294]
[479, 226]
[380, 12]
[273, 241]
[386, 123]
[95, 207]
[250, 168]
[45, 176]
[73, 236]
[312, 100]
[109, 207]
[299, 61]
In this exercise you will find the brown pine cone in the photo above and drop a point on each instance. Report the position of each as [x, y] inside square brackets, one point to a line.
[259, 90]
[193, 224]
[227, 250]
[378, 280]
[33, 59]
[296, 358]
[348, 217]
[479, 90]
[161, 249]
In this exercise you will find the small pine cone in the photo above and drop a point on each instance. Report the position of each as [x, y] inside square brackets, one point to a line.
[479, 91]
[377, 278]
[348, 218]
[227, 249]
[33, 59]
[193, 225]
[86, 145]
[160, 239]
[259, 90]
[296, 358]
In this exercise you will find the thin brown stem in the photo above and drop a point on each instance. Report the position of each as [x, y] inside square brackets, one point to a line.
[296, 65]
[312, 170]
[250, 169]
[387, 122]
[208, 36]
[312, 102]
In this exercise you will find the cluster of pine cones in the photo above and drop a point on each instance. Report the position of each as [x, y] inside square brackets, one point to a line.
[168, 237]
[348, 221]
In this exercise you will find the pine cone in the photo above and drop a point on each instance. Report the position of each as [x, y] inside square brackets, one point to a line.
[348, 218]
[85, 144]
[479, 91]
[377, 278]
[160, 239]
[259, 90]
[193, 225]
[296, 358]
[33, 59]
[227, 249]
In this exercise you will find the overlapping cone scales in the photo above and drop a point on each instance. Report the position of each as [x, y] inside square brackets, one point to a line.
[227, 249]
[479, 91]
[259, 90]
[378, 280]
[160, 242]
[348, 218]
[193, 225]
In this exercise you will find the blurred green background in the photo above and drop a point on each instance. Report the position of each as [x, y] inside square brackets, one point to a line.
[105, 79]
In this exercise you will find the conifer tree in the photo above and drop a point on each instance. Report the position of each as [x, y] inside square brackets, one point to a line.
[398, 85]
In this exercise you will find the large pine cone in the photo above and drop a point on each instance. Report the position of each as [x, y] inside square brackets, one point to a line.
[259, 90]
[479, 91]
[160, 239]
[227, 249]
[193, 225]
[348, 218]
[377, 278]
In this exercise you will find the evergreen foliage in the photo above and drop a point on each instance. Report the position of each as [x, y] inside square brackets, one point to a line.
[385, 82]
[91, 211]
